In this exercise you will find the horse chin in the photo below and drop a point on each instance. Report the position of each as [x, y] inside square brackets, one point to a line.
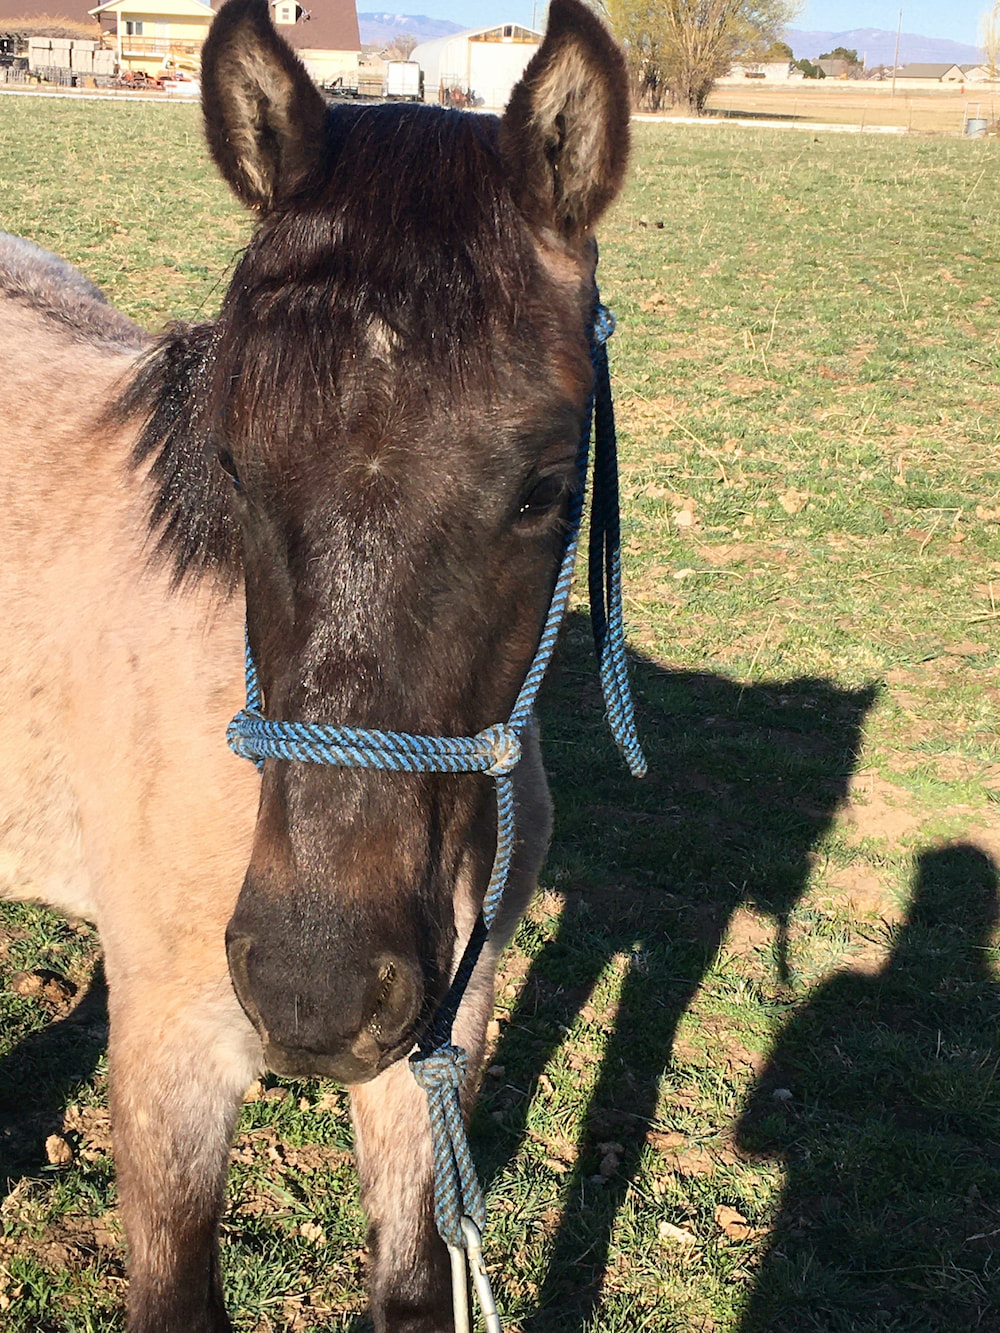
[347, 1066]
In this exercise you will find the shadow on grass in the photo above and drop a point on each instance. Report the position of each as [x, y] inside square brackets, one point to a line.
[39, 1077]
[891, 1141]
[743, 782]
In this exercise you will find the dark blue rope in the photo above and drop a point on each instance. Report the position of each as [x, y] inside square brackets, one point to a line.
[605, 570]
[438, 1066]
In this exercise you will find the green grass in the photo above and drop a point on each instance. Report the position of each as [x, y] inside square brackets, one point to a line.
[800, 899]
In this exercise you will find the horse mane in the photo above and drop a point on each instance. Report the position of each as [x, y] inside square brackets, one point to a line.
[404, 261]
[190, 513]
[60, 293]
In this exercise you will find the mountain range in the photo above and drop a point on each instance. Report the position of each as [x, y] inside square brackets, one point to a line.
[380, 29]
[879, 46]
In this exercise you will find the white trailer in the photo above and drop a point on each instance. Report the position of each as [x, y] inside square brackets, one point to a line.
[403, 81]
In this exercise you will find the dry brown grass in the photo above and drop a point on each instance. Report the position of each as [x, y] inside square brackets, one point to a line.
[927, 111]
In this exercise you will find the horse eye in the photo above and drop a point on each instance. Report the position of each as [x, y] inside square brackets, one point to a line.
[543, 496]
[227, 463]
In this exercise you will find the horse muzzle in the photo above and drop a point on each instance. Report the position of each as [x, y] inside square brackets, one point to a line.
[347, 1023]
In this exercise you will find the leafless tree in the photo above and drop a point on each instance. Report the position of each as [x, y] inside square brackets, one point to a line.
[401, 47]
[680, 47]
[990, 28]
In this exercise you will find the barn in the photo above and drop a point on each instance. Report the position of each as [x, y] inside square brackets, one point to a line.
[325, 35]
[477, 67]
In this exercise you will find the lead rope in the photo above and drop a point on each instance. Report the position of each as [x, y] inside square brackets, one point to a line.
[438, 1066]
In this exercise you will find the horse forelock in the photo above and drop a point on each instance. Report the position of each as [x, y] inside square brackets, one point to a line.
[397, 293]
[408, 254]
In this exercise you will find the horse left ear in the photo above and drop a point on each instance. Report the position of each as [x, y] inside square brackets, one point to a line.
[264, 116]
[564, 137]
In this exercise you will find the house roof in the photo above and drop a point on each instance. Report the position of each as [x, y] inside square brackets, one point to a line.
[323, 25]
[198, 7]
[926, 71]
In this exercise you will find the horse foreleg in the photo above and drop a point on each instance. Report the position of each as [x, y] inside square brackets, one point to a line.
[177, 1076]
[410, 1272]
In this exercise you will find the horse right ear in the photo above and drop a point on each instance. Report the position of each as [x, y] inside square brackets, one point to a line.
[264, 116]
[565, 134]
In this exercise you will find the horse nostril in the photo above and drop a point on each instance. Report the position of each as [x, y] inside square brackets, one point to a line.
[395, 1001]
[238, 950]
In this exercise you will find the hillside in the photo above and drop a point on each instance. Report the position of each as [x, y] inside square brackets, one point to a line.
[879, 46]
[380, 29]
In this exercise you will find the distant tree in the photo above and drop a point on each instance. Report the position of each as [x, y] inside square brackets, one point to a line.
[841, 53]
[810, 70]
[778, 51]
[401, 47]
[680, 47]
[990, 26]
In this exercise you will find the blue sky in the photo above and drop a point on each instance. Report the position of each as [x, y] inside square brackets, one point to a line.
[957, 19]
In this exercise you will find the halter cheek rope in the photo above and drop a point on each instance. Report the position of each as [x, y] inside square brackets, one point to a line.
[438, 1066]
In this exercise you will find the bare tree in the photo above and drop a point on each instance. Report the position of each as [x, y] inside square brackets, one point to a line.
[401, 47]
[990, 28]
[681, 47]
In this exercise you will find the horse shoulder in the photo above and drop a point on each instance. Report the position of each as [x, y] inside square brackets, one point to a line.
[113, 685]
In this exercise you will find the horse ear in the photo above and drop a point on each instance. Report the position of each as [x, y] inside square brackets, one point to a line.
[564, 136]
[264, 116]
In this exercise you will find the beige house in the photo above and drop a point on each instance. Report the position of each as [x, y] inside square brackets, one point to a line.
[153, 35]
[150, 36]
[929, 75]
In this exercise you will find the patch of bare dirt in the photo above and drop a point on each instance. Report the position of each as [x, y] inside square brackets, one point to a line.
[878, 809]
[749, 933]
[746, 384]
[861, 891]
[987, 840]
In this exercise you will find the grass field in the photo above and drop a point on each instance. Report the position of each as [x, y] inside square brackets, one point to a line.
[746, 1050]
[923, 110]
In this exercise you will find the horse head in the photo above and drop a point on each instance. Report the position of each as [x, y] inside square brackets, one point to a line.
[378, 436]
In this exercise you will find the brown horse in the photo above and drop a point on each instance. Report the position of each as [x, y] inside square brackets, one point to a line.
[375, 440]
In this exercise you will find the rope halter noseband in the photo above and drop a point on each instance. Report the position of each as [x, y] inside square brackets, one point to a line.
[438, 1066]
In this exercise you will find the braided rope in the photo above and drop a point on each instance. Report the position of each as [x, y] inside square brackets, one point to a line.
[438, 1066]
[605, 572]
[457, 1191]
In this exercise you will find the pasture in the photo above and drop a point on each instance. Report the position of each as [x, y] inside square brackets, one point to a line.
[862, 103]
[746, 1062]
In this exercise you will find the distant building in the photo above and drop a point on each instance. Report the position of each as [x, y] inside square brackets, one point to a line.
[976, 73]
[149, 35]
[762, 71]
[836, 69]
[927, 75]
[325, 35]
[484, 63]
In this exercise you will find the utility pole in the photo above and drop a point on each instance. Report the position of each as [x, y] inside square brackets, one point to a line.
[895, 59]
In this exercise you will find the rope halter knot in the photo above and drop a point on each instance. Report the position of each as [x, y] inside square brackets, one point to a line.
[505, 747]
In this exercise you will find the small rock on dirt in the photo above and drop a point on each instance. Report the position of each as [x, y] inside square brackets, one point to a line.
[58, 1151]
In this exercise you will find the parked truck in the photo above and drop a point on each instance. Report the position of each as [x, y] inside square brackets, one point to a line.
[404, 81]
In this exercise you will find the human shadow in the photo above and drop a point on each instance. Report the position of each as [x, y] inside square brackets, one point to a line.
[39, 1077]
[743, 782]
[890, 1140]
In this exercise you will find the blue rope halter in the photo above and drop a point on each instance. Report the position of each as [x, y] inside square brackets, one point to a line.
[438, 1066]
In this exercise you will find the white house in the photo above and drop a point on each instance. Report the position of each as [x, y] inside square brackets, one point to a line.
[762, 71]
[483, 62]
